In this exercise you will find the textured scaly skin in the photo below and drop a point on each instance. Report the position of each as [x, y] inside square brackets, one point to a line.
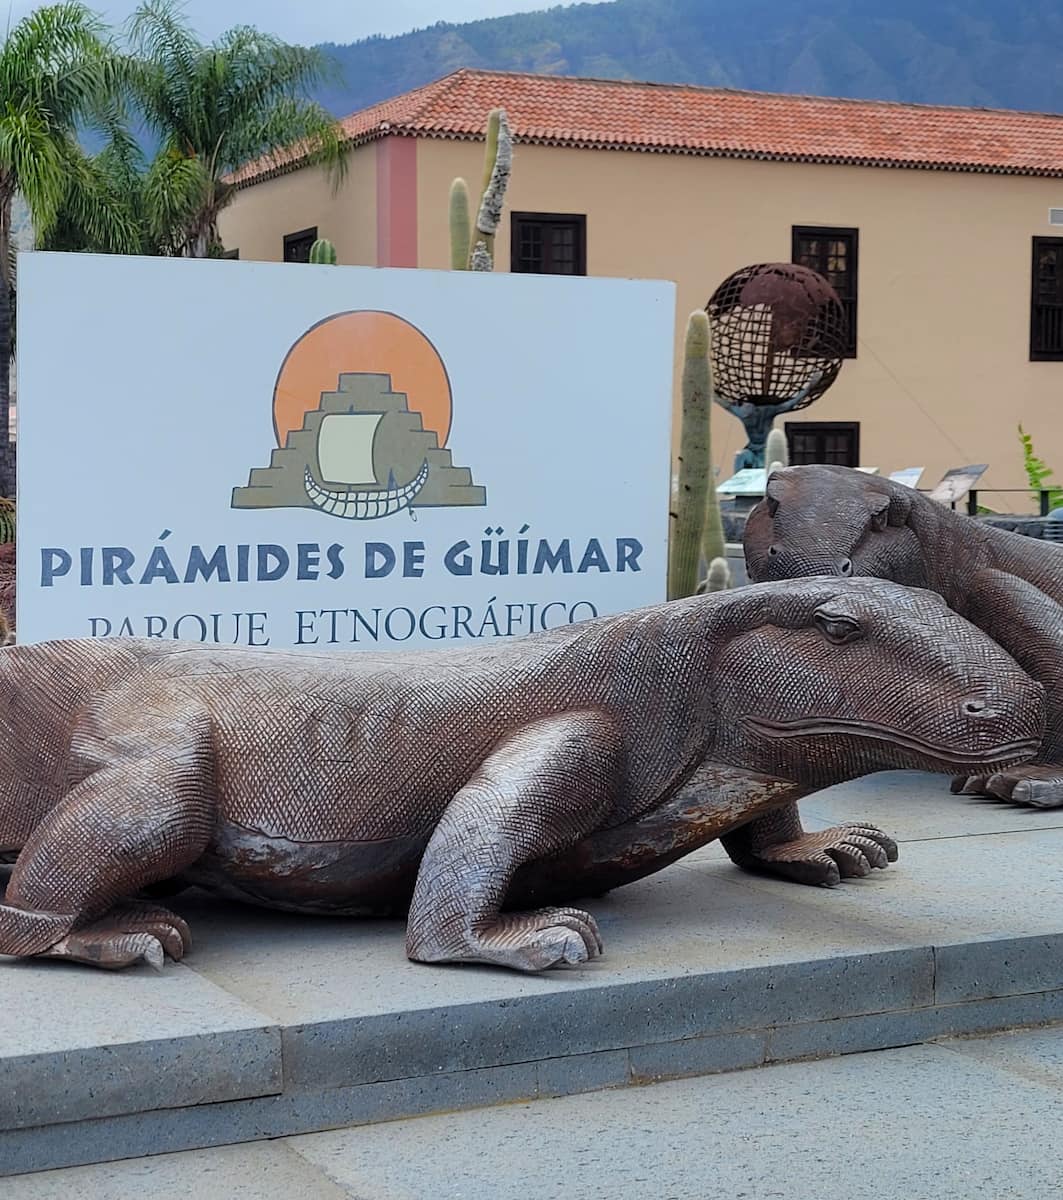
[459, 785]
[821, 520]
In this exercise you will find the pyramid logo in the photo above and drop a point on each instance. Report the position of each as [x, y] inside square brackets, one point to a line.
[362, 413]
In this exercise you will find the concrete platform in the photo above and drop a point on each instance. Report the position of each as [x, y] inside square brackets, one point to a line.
[886, 1126]
[283, 1025]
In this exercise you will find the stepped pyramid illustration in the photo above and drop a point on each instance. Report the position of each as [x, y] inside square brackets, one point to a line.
[361, 454]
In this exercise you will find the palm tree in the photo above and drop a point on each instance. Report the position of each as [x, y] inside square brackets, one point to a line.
[106, 206]
[54, 69]
[214, 107]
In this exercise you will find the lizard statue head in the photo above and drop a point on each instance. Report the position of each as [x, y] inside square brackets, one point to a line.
[821, 520]
[828, 679]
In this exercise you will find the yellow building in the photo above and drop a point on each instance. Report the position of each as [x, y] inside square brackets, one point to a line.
[941, 228]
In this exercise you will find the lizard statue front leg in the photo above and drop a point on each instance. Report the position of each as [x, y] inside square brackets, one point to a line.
[543, 788]
[1028, 624]
[715, 799]
[142, 815]
[748, 810]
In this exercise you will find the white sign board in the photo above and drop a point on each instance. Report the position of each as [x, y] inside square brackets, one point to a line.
[909, 476]
[749, 482]
[955, 484]
[336, 457]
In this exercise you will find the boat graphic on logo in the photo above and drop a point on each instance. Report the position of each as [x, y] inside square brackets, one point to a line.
[362, 413]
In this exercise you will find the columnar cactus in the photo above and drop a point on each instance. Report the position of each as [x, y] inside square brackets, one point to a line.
[713, 542]
[495, 122]
[481, 258]
[696, 507]
[775, 452]
[460, 231]
[474, 250]
[498, 163]
[323, 252]
[718, 579]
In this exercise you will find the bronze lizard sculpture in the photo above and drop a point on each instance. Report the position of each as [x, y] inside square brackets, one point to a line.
[459, 785]
[823, 520]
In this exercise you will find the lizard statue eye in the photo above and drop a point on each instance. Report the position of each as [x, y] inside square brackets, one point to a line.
[838, 629]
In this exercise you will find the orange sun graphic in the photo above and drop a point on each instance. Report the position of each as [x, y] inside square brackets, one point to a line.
[373, 342]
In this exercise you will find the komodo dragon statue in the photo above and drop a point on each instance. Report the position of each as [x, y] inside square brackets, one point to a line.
[477, 789]
[824, 520]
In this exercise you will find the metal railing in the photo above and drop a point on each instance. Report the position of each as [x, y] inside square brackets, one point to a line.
[1044, 495]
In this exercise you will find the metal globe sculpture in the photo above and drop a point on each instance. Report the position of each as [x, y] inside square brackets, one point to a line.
[778, 338]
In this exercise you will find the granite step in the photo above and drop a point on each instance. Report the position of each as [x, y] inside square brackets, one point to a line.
[884, 1126]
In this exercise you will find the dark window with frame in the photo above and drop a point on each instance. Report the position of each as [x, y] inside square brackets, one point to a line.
[1046, 303]
[836, 443]
[297, 245]
[548, 244]
[833, 253]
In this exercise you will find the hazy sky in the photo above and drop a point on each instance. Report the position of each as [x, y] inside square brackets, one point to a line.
[314, 20]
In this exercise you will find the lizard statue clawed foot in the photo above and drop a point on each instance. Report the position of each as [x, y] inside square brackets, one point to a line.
[1036, 786]
[822, 858]
[526, 941]
[831, 855]
[128, 934]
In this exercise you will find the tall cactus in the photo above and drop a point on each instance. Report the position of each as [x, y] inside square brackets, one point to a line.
[692, 503]
[495, 119]
[323, 252]
[460, 222]
[713, 542]
[775, 452]
[718, 579]
[479, 243]
[498, 163]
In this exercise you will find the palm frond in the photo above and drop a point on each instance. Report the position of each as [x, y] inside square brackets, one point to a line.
[49, 39]
[288, 122]
[170, 55]
[103, 207]
[55, 71]
[177, 199]
[217, 106]
[57, 60]
[158, 33]
[31, 154]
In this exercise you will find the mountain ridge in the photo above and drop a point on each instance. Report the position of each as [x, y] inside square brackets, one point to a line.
[1005, 54]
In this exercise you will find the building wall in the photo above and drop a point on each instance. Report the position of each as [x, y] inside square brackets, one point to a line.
[942, 375]
[258, 219]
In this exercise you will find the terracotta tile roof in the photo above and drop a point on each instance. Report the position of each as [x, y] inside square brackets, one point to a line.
[677, 119]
